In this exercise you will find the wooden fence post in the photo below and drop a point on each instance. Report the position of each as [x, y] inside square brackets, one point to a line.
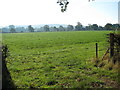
[111, 45]
[96, 50]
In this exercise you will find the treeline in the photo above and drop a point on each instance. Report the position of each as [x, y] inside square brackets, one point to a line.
[47, 28]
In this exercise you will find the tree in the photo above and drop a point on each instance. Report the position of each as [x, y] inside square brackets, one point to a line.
[94, 27]
[70, 27]
[30, 28]
[78, 26]
[100, 28]
[55, 28]
[4, 29]
[86, 27]
[12, 28]
[116, 26]
[46, 28]
[61, 28]
[20, 29]
[108, 26]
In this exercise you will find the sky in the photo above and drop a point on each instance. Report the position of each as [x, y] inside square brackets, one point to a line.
[35, 12]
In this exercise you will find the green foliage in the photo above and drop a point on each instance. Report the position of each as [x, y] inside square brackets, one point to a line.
[61, 28]
[56, 59]
[46, 28]
[70, 28]
[30, 28]
[12, 28]
[78, 26]
[108, 26]
[95, 27]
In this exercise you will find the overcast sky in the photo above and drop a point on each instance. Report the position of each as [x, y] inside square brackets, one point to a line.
[33, 12]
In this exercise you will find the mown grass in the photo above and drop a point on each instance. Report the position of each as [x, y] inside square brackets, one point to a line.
[56, 59]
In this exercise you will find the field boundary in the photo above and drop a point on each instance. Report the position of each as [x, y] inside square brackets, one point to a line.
[114, 47]
[114, 40]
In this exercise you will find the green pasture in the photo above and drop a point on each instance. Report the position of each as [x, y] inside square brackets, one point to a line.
[57, 59]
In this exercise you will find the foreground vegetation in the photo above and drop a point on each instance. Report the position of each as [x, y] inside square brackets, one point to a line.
[58, 59]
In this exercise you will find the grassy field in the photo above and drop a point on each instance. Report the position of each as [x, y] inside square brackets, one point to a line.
[57, 59]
